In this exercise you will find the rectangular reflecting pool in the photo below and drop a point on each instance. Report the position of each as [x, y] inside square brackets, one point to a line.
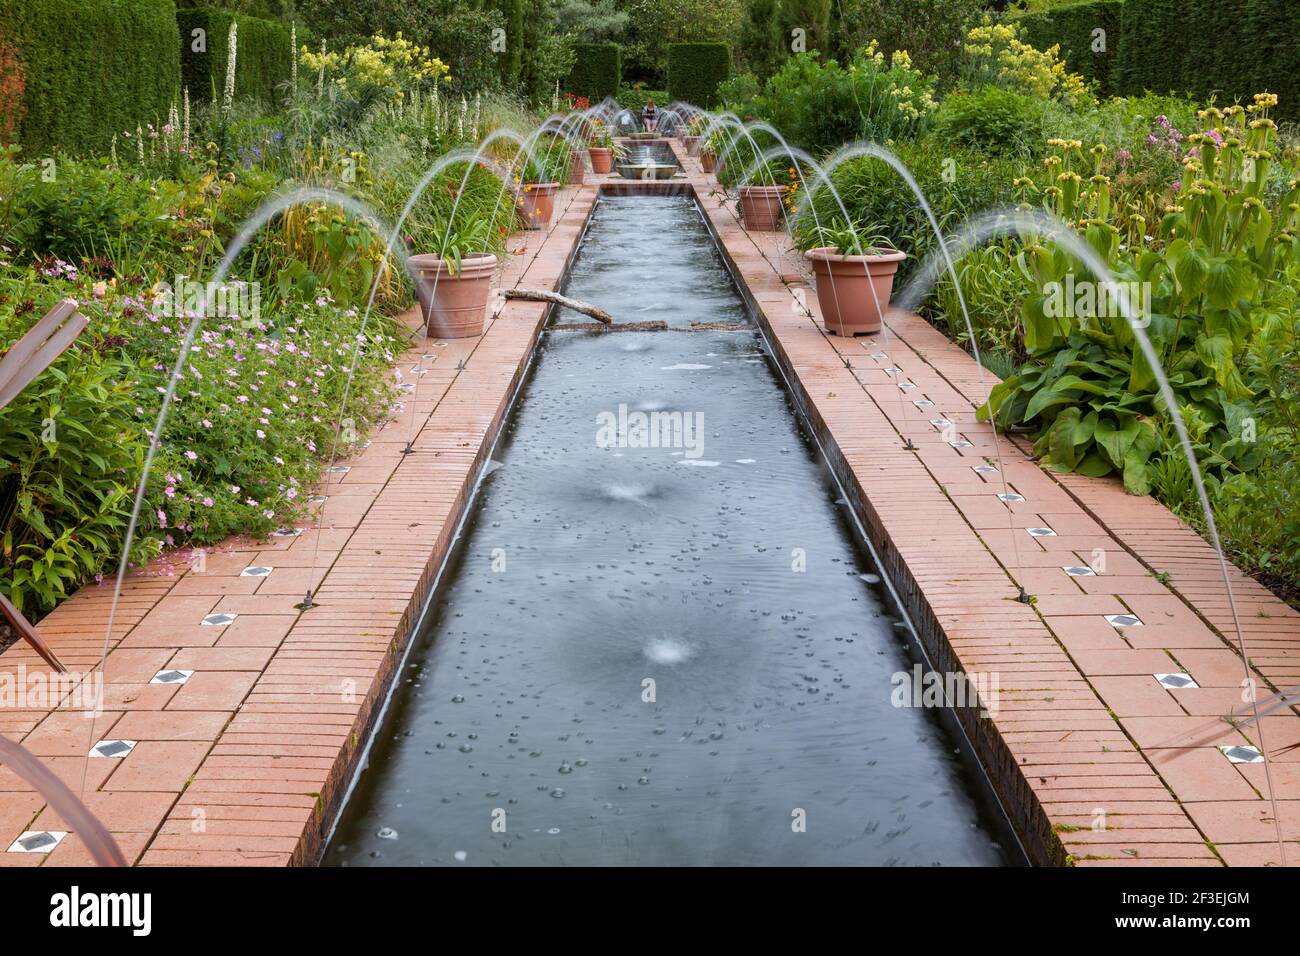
[660, 641]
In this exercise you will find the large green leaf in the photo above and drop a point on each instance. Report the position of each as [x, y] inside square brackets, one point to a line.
[1137, 479]
[1116, 440]
[1216, 352]
[1069, 438]
[1040, 328]
[1227, 280]
[1190, 267]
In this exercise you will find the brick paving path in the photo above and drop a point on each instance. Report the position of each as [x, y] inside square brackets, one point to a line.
[245, 762]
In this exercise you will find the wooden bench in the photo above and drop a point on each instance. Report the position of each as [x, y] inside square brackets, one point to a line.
[29, 357]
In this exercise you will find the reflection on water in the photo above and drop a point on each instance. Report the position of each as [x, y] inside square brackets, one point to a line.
[639, 663]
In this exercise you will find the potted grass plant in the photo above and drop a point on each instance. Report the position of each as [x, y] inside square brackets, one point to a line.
[577, 168]
[693, 136]
[453, 285]
[855, 276]
[540, 174]
[710, 148]
[602, 148]
[762, 199]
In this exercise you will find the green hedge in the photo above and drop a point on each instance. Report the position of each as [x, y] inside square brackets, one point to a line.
[1228, 49]
[597, 71]
[263, 59]
[88, 70]
[1072, 27]
[511, 61]
[695, 70]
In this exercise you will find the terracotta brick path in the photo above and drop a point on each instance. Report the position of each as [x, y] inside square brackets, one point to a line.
[244, 762]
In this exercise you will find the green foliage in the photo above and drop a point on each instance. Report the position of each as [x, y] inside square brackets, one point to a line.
[992, 287]
[819, 106]
[761, 47]
[511, 61]
[1090, 389]
[812, 18]
[548, 55]
[72, 444]
[597, 71]
[931, 31]
[1224, 48]
[634, 97]
[69, 445]
[1093, 56]
[548, 162]
[79, 214]
[846, 236]
[442, 25]
[656, 24]
[91, 68]
[1258, 515]
[695, 70]
[263, 58]
[874, 193]
[995, 120]
[591, 21]
[738, 93]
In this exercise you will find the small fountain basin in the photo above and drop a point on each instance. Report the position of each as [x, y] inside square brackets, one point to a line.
[646, 171]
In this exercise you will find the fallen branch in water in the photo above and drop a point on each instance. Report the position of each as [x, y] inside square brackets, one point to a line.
[542, 295]
[655, 326]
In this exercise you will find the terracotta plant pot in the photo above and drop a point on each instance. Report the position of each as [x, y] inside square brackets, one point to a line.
[536, 203]
[453, 306]
[760, 207]
[577, 169]
[602, 159]
[708, 160]
[845, 284]
[692, 145]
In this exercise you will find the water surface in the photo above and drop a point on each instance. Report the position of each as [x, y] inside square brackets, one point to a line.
[655, 656]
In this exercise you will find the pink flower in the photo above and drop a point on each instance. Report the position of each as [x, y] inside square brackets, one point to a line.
[162, 518]
[208, 502]
[191, 456]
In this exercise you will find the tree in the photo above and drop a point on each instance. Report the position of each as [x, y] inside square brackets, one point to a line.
[805, 26]
[548, 55]
[591, 21]
[931, 31]
[656, 23]
[511, 61]
[761, 45]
